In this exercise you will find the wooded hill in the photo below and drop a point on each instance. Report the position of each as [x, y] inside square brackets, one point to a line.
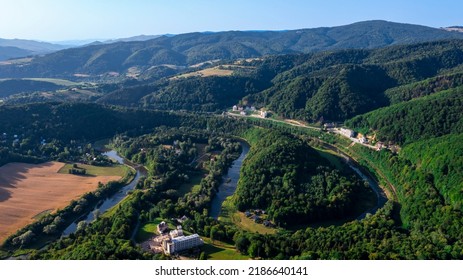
[328, 85]
[340, 85]
[193, 48]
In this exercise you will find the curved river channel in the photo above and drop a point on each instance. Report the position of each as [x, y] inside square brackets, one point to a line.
[226, 189]
[109, 202]
[230, 182]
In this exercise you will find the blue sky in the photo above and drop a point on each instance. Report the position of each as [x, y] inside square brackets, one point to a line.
[54, 20]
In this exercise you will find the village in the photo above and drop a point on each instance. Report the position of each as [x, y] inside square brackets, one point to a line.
[368, 141]
[249, 110]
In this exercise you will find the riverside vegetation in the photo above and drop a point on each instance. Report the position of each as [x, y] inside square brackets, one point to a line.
[405, 95]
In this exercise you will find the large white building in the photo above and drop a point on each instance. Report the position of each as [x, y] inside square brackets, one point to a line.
[347, 132]
[181, 243]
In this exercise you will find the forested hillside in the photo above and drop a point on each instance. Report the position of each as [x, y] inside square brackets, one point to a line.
[10, 87]
[193, 48]
[293, 183]
[340, 85]
[422, 118]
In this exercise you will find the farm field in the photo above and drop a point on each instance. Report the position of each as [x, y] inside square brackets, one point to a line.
[27, 190]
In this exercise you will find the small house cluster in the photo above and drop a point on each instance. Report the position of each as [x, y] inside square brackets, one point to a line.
[257, 216]
[246, 110]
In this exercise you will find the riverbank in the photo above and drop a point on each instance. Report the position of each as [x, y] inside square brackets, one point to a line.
[229, 182]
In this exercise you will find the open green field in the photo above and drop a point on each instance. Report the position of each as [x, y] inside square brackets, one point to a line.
[3, 254]
[116, 170]
[58, 82]
[335, 160]
[230, 214]
[218, 250]
[193, 185]
[147, 230]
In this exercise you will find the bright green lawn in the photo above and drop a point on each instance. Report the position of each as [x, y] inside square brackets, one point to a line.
[335, 160]
[217, 252]
[192, 185]
[230, 214]
[59, 82]
[116, 170]
[147, 230]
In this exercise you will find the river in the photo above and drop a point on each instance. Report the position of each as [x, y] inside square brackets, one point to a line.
[380, 194]
[109, 202]
[229, 182]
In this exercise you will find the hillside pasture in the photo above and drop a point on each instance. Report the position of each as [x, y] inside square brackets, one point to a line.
[27, 190]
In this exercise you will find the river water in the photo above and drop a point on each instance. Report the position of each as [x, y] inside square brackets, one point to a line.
[230, 182]
[109, 202]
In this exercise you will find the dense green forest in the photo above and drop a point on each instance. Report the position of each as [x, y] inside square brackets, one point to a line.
[425, 222]
[193, 94]
[343, 84]
[10, 87]
[409, 95]
[193, 48]
[293, 183]
[330, 86]
[422, 118]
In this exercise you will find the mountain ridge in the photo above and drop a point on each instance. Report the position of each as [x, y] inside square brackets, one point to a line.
[192, 48]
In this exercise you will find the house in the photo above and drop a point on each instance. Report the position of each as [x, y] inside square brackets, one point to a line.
[235, 108]
[329, 125]
[264, 114]
[247, 214]
[363, 140]
[162, 227]
[347, 132]
[379, 146]
[253, 108]
[256, 218]
[176, 233]
[243, 113]
[268, 223]
[181, 243]
[182, 219]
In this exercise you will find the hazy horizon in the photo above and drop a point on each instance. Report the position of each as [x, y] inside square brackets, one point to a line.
[67, 20]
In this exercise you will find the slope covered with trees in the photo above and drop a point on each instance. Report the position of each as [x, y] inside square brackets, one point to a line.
[340, 85]
[421, 118]
[193, 48]
[293, 183]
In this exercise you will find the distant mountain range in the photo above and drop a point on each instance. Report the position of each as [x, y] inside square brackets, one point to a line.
[14, 48]
[193, 48]
[17, 48]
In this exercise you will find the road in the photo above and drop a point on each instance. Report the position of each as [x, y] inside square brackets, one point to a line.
[380, 192]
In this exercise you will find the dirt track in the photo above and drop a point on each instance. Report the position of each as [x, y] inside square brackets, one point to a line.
[27, 190]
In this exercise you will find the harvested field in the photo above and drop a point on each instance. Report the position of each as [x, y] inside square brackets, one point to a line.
[27, 190]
